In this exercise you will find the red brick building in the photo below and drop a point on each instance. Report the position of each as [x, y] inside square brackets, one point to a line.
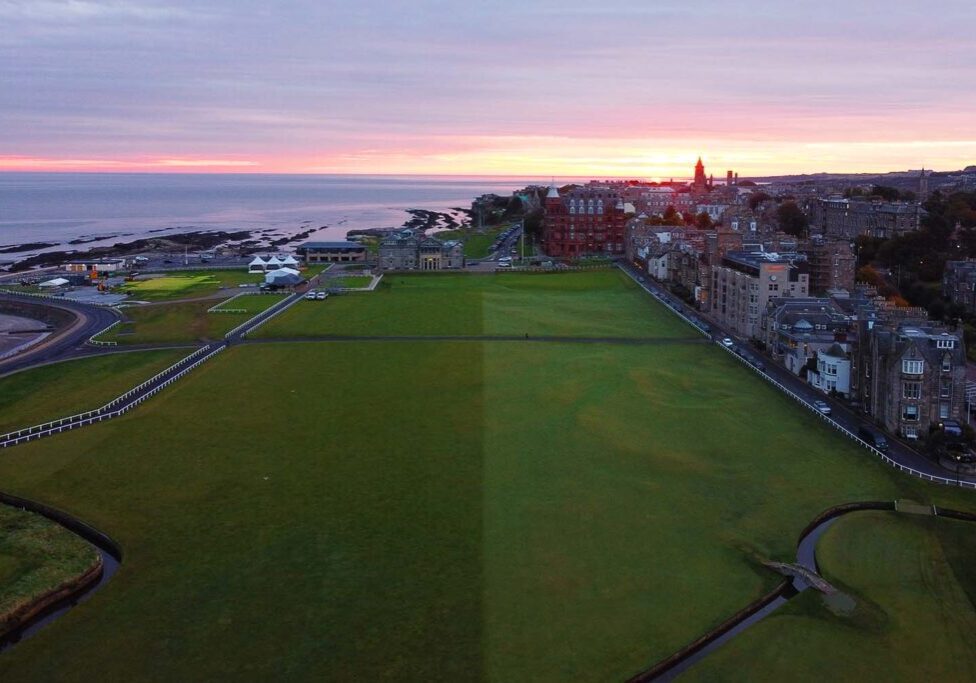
[585, 221]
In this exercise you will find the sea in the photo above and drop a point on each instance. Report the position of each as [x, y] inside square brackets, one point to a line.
[97, 209]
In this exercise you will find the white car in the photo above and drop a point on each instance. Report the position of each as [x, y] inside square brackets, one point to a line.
[321, 296]
[822, 407]
[310, 295]
[728, 343]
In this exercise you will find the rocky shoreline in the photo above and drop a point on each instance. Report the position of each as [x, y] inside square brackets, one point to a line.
[246, 242]
[186, 240]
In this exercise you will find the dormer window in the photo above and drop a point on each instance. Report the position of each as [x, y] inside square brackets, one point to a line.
[912, 367]
[945, 343]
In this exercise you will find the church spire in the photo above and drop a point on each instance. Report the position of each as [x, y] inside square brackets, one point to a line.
[700, 175]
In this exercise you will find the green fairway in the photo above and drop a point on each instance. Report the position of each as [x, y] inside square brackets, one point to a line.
[351, 281]
[63, 389]
[36, 556]
[596, 303]
[189, 283]
[443, 510]
[170, 323]
[252, 303]
[913, 583]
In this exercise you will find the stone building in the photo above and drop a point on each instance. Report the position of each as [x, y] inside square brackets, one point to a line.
[586, 221]
[959, 283]
[331, 252]
[408, 251]
[794, 331]
[914, 377]
[849, 218]
[743, 283]
[832, 263]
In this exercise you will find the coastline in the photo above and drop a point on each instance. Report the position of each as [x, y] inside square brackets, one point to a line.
[246, 242]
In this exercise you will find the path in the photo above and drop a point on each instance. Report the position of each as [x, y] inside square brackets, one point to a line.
[66, 343]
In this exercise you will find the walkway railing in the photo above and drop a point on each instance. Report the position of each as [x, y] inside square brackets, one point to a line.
[264, 316]
[98, 342]
[116, 406]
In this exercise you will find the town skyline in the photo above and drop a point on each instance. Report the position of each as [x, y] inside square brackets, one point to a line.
[565, 89]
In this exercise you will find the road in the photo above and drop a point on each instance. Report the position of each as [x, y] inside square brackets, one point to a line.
[840, 413]
[66, 343]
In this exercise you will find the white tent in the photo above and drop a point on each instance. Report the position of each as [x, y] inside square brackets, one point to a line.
[289, 261]
[257, 265]
[283, 277]
[274, 262]
[56, 282]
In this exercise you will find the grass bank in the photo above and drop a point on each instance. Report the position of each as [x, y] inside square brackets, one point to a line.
[64, 389]
[913, 590]
[174, 323]
[36, 556]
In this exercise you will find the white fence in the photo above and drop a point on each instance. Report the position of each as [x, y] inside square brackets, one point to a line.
[53, 297]
[216, 308]
[264, 316]
[802, 401]
[98, 342]
[117, 406]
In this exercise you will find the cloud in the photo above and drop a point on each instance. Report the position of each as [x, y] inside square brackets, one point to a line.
[240, 79]
[80, 10]
[198, 163]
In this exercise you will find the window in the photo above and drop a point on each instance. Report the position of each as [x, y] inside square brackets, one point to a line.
[912, 367]
[912, 390]
[945, 391]
[909, 412]
[947, 364]
[943, 410]
[910, 432]
[945, 343]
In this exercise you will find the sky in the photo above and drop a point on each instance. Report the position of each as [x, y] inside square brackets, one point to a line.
[507, 87]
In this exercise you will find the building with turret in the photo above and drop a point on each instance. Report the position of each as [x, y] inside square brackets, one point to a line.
[585, 221]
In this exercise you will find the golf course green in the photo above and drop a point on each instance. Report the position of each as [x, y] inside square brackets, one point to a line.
[474, 509]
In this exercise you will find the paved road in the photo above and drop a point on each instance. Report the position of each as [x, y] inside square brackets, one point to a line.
[66, 343]
[841, 413]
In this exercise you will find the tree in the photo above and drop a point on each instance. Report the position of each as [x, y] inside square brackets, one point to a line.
[757, 198]
[703, 221]
[672, 217]
[792, 220]
[890, 194]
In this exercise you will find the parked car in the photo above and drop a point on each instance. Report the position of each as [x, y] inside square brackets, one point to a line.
[873, 439]
[321, 296]
[951, 427]
[727, 342]
[310, 295]
[822, 407]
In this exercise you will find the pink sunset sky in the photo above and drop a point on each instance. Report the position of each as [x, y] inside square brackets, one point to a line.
[635, 89]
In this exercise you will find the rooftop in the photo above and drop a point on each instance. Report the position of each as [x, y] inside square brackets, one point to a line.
[331, 245]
